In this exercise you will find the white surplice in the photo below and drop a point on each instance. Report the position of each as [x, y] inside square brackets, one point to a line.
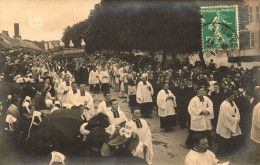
[200, 122]
[255, 129]
[102, 108]
[145, 138]
[228, 120]
[143, 94]
[116, 121]
[166, 106]
[64, 98]
[76, 99]
[197, 158]
[104, 77]
[93, 77]
[57, 82]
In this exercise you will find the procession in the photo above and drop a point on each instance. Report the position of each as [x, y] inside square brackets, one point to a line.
[69, 102]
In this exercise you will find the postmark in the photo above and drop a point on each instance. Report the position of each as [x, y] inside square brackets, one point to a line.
[220, 28]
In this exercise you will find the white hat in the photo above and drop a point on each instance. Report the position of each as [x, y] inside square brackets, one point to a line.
[36, 114]
[20, 80]
[48, 102]
[10, 119]
[26, 104]
[57, 157]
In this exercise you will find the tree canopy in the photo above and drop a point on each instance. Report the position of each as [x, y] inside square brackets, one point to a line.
[124, 25]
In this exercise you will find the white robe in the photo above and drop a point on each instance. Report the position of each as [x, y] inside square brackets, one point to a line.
[116, 121]
[143, 94]
[77, 99]
[255, 129]
[196, 158]
[166, 107]
[145, 138]
[102, 108]
[63, 98]
[93, 77]
[200, 122]
[228, 120]
[121, 74]
[104, 77]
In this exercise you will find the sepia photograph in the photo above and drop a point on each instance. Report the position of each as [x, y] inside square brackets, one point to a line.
[130, 82]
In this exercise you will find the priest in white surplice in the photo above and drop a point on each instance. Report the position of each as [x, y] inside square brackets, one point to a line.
[201, 111]
[94, 80]
[104, 106]
[255, 132]
[166, 102]
[116, 116]
[144, 96]
[81, 97]
[199, 154]
[228, 126]
[104, 79]
[63, 89]
[57, 80]
[141, 128]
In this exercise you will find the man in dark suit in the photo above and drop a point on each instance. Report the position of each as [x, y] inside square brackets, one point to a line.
[217, 97]
[183, 100]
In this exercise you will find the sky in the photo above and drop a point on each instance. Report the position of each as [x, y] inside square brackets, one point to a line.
[43, 19]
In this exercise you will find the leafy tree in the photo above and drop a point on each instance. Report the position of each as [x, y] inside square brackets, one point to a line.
[173, 26]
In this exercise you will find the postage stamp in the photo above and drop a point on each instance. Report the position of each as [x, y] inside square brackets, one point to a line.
[220, 28]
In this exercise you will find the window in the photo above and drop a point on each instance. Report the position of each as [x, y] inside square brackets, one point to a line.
[244, 40]
[250, 13]
[257, 13]
[252, 40]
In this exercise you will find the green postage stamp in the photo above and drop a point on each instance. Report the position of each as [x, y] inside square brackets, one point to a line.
[220, 28]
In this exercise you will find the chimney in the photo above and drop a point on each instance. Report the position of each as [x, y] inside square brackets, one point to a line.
[4, 32]
[16, 31]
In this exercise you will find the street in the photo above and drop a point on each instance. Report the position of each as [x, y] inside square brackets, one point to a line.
[169, 148]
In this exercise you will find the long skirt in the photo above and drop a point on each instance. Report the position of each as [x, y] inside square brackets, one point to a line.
[96, 88]
[146, 108]
[189, 141]
[132, 101]
[227, 147]
[105, 87]
[168, 121]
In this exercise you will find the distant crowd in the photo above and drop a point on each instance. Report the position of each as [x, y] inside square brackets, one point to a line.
[199, 97]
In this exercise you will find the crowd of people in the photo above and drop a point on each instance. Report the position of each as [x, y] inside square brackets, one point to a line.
[202, 98]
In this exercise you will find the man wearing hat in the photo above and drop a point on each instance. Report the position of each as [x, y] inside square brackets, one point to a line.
[144, 96]
[119, 147]
[141, 128]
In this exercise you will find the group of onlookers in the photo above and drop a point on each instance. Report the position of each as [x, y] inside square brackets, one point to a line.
[200, 98]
